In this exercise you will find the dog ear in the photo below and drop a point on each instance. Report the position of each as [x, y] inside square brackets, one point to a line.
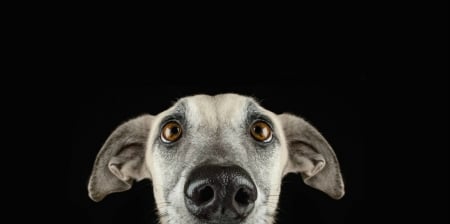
[312, 156]
[121, 160]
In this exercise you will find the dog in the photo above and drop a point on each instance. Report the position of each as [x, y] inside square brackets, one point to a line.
[215, 159]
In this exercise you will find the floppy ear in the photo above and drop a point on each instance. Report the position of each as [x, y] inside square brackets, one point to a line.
[121, 159]
[312, 156]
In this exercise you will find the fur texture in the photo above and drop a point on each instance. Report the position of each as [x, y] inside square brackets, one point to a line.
[216, 130]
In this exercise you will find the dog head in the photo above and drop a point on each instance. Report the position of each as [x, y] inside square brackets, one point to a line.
[215, 159]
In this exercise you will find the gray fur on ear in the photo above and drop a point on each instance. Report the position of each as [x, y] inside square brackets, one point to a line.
[121, 159]
[312, 156]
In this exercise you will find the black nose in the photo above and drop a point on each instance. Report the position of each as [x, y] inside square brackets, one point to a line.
[225, 193]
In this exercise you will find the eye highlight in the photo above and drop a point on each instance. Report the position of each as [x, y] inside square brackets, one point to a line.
[261, 131]
[171, 132]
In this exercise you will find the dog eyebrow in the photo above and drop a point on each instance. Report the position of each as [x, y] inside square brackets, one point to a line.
[253, 113]
[178, 114]
[180, 107]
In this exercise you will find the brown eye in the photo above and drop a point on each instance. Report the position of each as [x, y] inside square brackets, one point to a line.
[171, 132]
[261, 131]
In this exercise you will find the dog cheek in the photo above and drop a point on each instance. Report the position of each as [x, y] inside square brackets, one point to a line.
[153, 166]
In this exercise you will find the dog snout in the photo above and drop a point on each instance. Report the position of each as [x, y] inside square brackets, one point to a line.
[225, 193]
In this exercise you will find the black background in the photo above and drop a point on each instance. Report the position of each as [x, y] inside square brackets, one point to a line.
[372, 77]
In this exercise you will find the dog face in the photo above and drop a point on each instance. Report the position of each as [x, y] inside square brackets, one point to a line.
[215, 159]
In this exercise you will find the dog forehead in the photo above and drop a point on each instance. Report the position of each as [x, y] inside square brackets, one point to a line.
[218, 109]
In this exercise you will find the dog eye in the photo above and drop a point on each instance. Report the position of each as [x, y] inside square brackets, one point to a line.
[171, 132]
[261, 131]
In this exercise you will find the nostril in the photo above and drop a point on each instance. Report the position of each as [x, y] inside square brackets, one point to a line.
[204, 195]
[243, 197]
[221, 194]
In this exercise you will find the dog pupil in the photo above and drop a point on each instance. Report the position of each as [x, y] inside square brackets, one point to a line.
[174, 130]
[258, 130]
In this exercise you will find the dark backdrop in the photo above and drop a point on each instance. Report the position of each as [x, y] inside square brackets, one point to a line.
[383, 106]
[334, 106]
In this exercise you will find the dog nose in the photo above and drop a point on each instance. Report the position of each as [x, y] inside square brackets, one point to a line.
[225, 193]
